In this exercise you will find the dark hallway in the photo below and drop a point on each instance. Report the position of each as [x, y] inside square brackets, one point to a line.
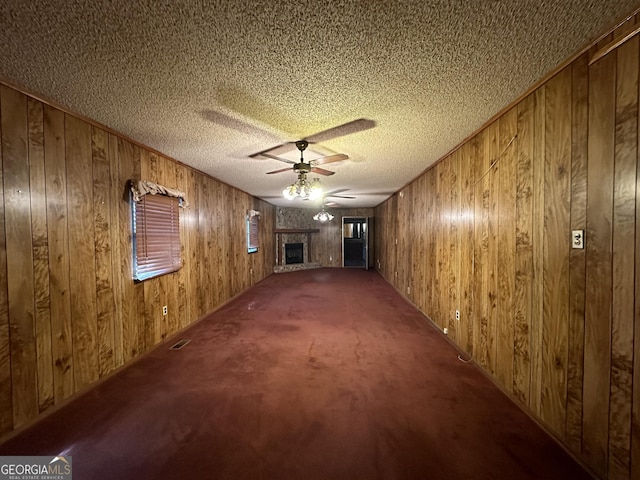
[317, 374]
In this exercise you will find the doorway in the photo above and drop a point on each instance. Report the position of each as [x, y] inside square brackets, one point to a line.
[355, 242]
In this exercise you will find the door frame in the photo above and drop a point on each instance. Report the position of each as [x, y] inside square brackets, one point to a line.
[365, 238]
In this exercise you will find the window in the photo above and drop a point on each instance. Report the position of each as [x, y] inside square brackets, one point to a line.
[156, 236]
[252, 231]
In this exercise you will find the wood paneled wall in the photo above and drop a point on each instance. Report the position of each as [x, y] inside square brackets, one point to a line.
[70, 312]
[327, 243]
[487, 231]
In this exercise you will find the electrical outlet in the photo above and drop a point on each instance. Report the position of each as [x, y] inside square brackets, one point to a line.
[445, 330]
[396, 274]
[251, 271]
[331, 258]
[165, 310]
[408, 290]
[577, 239]
[457, 314]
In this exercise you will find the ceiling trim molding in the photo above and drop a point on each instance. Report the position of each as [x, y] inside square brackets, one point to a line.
[631, 32]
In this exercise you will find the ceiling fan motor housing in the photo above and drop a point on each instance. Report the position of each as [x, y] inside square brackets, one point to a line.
[302, 167]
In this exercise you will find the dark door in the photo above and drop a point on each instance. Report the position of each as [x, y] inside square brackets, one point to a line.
[355, 242]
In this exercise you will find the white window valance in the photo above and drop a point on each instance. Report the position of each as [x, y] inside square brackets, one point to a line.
[253, 213]
[140, 188]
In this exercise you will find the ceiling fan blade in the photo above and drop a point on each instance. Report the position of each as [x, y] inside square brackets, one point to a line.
[338, 190]
[338, 157]
[348, 128]
[280, 159]
[340, 196]
[274, 151]
[334, 194]
[345, 129]
[288, 169]
[331, 204]
[322, 171]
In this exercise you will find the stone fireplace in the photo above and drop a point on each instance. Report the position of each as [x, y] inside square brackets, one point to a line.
[295, 231]
[294, 250]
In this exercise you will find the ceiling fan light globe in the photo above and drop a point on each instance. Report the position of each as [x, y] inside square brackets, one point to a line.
[315, 193]
[290, 192]
[323, 216]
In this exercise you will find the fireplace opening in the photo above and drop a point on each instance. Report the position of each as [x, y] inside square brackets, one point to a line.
[293, 253]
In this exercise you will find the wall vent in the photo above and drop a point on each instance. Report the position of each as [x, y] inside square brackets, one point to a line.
[180, 344]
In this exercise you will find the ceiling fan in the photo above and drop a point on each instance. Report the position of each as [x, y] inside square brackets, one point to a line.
[334, 194]
[312, 165]
[307, 167]
[323, 215]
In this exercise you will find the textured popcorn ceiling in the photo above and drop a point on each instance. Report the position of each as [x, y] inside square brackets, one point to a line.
[210, 83]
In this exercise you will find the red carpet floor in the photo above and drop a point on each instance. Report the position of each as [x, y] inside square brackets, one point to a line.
[318, 374]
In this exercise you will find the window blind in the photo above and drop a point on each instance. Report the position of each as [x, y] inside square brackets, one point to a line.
[156, 236]
[253, 234]
[253, 239]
